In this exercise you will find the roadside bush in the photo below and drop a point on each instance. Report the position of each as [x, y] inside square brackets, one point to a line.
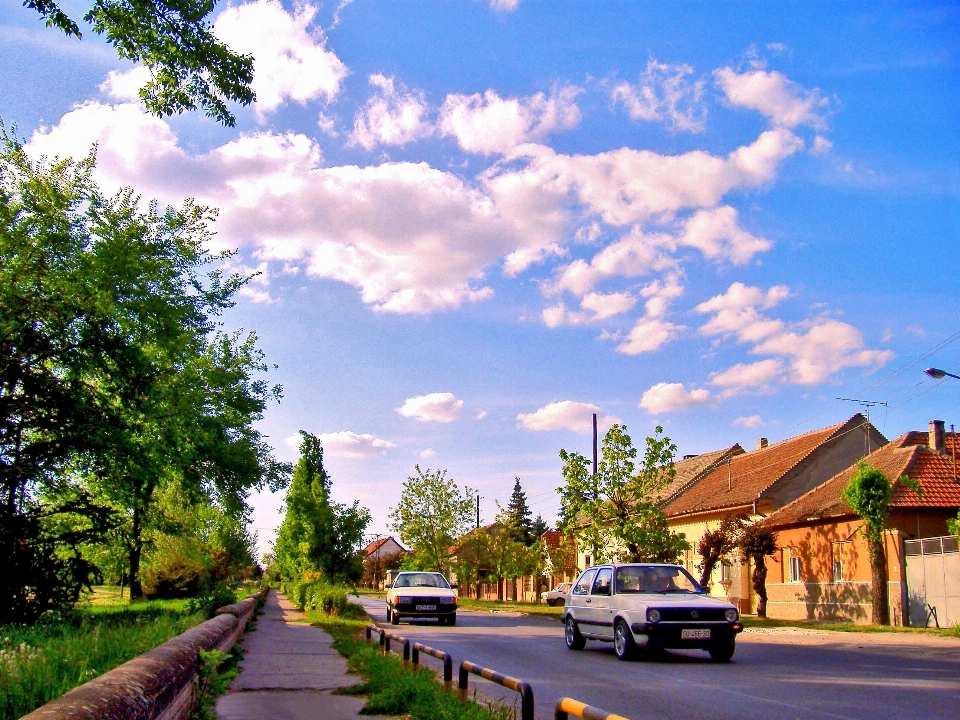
[321, 596]
[208, 601]
[175, 575]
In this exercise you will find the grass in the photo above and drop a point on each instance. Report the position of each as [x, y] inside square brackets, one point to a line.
[41, 662]
[391, 688]
[754, 622]
[541, 609]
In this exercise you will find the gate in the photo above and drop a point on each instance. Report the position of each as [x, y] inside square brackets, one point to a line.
[933, 581]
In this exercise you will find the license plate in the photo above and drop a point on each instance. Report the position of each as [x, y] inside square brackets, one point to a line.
[694, 634]
[430, 608]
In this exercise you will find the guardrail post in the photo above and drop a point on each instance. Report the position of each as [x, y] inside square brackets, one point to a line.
[406, 653]
[568, 706]
[526, 701]
[383, 640]
[464, 682]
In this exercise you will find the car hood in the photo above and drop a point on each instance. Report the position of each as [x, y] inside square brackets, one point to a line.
[679, 600]
[424, 592]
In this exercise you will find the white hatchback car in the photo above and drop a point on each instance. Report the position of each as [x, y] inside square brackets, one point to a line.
[421, 594]
[648, 605]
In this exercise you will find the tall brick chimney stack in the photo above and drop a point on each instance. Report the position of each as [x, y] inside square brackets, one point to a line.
[937, 436]
[763, 442]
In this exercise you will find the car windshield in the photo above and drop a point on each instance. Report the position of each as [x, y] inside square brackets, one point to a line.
[432, 580]
[655, 579]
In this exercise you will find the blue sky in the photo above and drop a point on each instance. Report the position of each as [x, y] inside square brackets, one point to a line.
[479, 222]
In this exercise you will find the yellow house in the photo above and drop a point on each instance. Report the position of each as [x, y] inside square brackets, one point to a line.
[755, 484]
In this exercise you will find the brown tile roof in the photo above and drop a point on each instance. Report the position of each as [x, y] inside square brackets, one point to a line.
[553, 538]
[904, 456]
[740, 481]
[693, 469]
[377, 544]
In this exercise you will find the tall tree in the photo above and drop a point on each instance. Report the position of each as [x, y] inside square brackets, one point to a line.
[517, 516]
[868, 494]
[189, 67]
[757, 543]
[617, 511]
[432, 513]
[717, 544]
[318, 534]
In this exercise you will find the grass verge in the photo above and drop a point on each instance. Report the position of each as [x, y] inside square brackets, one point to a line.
[41, 662]
[391, 688]
[754, 622]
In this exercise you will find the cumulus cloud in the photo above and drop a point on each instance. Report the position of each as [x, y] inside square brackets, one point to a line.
[125, 85]
[649, 335]
[743, 377]
[717, 234]
[352, 445]
[673, 397]
[595, 306]
[807, 352]
[391, 116]
[785, 103]
[504, 5]
[435, 407]
[749, 421]
[290, 60]
[488, 124]
[664, 93]
[428, 453]
[566, 415]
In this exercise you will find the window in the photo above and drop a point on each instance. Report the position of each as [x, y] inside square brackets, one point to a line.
[794, 569]
[586, 561]
[726, 571]
[603, 582]
[583, 584]
[836, 554]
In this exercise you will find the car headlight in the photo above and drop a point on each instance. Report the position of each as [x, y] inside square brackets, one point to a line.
[404, 600]
[731, 615]
[447, 600]
[653, 615]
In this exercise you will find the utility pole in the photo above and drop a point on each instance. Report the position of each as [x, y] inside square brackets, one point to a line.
[594, 444]
[478, 511]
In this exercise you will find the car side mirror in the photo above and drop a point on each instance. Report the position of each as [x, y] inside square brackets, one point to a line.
[388, 585]
[455, 586]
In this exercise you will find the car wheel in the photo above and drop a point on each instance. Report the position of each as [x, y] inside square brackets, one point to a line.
[571, 633]
[721, 652]
[394, 618]
[623, 642]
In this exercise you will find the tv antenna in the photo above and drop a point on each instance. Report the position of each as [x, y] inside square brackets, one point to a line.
[868, 404]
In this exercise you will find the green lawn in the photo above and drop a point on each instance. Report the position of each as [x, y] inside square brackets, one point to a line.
[41, 662]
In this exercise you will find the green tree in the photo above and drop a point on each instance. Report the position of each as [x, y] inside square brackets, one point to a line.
[868, 494]
[318, 534]
[432, 513]
[516, 517]
[617, 511]
[539, 527]
[953, 526]
[189, 67]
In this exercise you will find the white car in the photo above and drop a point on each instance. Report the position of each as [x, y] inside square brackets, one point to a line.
[557, 596]
[421, 594]
[648, 605]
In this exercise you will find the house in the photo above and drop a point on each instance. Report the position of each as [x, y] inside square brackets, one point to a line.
[756, 483]
[379, 556]
[823, 569]
[562, 550]
[384, 547]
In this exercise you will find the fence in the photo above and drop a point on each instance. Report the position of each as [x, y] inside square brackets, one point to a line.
[526, 692]
[568, 706]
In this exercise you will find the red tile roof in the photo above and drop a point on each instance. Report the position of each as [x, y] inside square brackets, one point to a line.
[935, 472]
[693, 469]
[737, 483]
[377, 544]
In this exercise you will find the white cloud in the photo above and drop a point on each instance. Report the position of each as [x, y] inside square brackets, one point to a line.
[673, 397]
[744, 377]
[716, 233]
[480, 415]
[125, 85]
[827, 347]
[504, 5]
[391, 117]
[291, 61]
[665, 94]
[434, 407]
[812, 350]
[257, 288]
[648, 335]
[821, 146]
[566, 415]
[488, 124]
[427, 454]
[596, 306]
[776, 97]
[352, 445]
[749, 421]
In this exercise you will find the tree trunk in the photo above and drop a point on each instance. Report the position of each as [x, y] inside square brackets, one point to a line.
[709, 563]
[878, 583]
[760, 584]
[136, 552]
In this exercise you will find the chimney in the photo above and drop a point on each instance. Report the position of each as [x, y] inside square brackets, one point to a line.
[763, 442]
[937, 436]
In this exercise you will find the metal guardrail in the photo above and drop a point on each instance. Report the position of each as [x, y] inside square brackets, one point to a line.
[440, 655]
[568, 706]
[522, 687]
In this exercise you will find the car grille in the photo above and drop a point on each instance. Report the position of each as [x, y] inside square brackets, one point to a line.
[424, 601]
[687, 614]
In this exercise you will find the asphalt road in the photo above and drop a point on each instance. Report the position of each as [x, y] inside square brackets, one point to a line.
[787, 674]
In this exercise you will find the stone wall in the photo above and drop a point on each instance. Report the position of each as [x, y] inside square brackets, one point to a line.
[160, 684]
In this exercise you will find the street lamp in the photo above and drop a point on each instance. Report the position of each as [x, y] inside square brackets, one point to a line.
[937, 373]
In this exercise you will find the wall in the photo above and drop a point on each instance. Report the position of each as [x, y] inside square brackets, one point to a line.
[161, 683]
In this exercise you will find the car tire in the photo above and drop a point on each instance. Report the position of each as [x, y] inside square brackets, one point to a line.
[572, 636]
[722, 651]
[623, 643]
[394, 618]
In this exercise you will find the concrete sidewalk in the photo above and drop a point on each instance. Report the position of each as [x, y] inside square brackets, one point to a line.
[289, 672]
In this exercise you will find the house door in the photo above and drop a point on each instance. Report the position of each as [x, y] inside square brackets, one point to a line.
[933, 581]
